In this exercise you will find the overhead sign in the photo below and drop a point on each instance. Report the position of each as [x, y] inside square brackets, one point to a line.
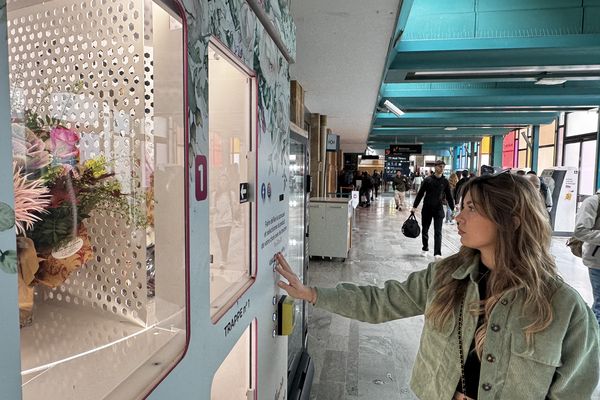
[354, 201]
[244, 191]
[405, 149]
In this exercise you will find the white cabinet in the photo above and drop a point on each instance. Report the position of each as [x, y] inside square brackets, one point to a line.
[330, 227]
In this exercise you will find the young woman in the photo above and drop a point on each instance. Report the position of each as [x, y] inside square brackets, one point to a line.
[499, 321]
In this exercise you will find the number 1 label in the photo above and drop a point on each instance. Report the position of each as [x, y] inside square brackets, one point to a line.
[201, 178]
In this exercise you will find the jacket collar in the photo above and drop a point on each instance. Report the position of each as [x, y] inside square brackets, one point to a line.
[468, 269]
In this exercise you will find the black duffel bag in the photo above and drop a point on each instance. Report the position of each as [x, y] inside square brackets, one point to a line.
[410, 227]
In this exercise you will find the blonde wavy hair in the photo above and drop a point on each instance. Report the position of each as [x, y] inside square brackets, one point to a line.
[522, 256]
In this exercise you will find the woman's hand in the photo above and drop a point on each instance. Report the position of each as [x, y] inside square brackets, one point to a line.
[294, 287]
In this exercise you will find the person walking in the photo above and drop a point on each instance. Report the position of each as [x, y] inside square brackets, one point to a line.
[434, 188]
[500, 323]
[376, 182]
[417, 181]
[546, 195]
[587, 229]
[464, 178]
[452, 181]
[401, 185]
[366, 186]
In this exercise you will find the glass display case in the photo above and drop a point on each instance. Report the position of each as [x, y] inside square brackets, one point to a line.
[296, 245]
[232, 116]
[99, 148]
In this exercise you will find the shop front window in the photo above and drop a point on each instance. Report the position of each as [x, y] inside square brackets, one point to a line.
[98, 134]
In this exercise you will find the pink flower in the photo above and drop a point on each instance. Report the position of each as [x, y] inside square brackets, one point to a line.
[63, 143]
[31, 200]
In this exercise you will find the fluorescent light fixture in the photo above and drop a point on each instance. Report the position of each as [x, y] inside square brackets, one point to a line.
[390, 106]
[550, 81]
[450, 128]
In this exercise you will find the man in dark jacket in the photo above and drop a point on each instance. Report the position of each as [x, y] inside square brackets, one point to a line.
[435, 187]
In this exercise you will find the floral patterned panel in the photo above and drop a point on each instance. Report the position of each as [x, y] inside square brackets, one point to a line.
[234, 24]
[279, 14]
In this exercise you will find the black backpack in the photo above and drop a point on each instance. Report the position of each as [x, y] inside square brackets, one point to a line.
[411, 227]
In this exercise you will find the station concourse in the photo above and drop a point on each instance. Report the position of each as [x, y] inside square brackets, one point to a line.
[158, 157]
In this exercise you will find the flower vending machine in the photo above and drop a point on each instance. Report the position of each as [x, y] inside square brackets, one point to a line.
[99, 207]
[145, 192]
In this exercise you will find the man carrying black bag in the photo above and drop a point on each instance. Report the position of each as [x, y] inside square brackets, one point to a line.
[435, 187]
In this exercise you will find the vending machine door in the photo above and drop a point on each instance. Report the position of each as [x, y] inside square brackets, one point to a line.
[298, 359]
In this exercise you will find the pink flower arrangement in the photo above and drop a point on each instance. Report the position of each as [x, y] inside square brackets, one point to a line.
[63, 143]
[32, 198]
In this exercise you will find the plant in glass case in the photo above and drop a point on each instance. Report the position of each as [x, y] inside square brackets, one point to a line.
[54, 194]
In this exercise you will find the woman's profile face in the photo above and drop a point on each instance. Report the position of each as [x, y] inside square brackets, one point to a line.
[476, 230]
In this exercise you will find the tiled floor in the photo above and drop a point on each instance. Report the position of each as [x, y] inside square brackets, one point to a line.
[355, 360]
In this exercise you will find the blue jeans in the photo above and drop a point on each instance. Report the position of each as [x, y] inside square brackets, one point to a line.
[595, 281]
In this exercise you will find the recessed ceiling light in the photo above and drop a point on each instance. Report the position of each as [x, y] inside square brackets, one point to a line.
[450, 128]
[550, 81]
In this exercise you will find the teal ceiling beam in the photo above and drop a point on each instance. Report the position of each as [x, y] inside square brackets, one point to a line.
[456, 54]
[488, 89]
[464, 119]
[495, 101]
[434, 19]
[472, 64]
[438, 131]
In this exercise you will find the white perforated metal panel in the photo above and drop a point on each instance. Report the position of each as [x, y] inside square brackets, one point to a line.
[98, 45]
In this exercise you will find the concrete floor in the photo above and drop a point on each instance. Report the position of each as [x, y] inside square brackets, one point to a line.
[356, 360]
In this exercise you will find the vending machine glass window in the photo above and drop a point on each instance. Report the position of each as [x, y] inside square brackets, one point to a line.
[236, 376]
[99, 148]
[231, 125]
[295, 251]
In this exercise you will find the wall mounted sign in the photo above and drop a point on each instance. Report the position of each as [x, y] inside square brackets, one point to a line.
[333, 142]
[244, 191]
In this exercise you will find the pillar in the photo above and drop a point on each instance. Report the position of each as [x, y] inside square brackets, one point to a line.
[497, 143]
[315, 152]
[323, 156]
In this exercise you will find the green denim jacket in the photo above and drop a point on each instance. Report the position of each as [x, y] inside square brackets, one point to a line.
[561, 363]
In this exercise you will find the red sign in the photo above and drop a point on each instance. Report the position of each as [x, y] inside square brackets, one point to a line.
[508, 150]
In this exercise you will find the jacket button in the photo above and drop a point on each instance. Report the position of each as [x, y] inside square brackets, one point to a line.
[487, 387]
[490, 358]
[495, 327]
[504, 302]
